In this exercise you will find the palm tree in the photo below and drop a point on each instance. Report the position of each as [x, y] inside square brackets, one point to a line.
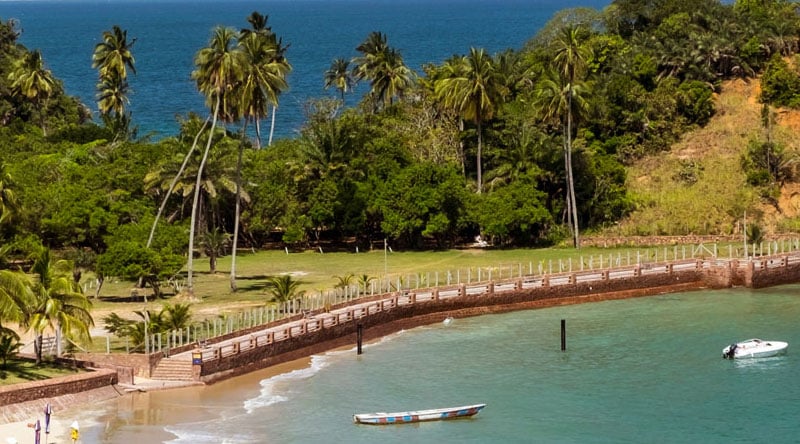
[371, 49]
[569, 61]
[218, 71]
[175, 317]
[266, 68]
[31, 80]
[113, 57]
[392, 78]
[59, 304]
[176, 177]
[8, 199]
[471, 87]
[283, 288]
[214, 243]
[383, 66]
[171, 179]
[339, 76]
[264, 77]
[16, 295]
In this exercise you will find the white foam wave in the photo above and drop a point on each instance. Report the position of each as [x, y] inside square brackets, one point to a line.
[270, 387]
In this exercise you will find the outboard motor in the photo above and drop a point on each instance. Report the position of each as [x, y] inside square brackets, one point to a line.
[731, 352]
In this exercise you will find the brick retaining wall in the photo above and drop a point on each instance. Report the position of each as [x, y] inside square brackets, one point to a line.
[51, 388]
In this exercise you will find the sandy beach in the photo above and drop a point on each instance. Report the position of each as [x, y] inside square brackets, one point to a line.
[151, 411]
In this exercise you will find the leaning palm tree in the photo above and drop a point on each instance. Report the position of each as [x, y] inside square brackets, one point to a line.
[471, 87]
[32, 81]
[339, 76]
[218, 70]
[175, 179]
[59, 303]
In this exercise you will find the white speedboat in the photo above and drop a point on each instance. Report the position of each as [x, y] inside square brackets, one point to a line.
[754, 348]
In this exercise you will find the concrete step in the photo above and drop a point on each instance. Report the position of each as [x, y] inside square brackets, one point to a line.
[173, 370]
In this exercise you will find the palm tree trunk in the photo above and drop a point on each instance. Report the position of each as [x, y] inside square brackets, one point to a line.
[461, 156]
[172, 185]
[576, 238]
[37, 347]
[238, 207]
[480, 149]
[189, 283]
[272, 127]
[258, 133]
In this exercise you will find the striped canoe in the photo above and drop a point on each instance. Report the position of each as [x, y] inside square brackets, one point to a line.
[418, 415]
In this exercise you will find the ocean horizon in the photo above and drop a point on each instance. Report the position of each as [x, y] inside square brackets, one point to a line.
[168, 35]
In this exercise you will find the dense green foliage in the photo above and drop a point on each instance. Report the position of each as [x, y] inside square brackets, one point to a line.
[524, 147]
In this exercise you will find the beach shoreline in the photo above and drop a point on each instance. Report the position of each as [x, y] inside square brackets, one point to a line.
[176, 404]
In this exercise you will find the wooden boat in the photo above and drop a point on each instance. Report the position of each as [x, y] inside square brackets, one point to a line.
[418, 415]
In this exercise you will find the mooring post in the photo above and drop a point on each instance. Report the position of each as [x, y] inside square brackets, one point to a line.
[563, 334]
[359, 337]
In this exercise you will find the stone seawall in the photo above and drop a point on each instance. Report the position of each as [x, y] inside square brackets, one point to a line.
[408, 316]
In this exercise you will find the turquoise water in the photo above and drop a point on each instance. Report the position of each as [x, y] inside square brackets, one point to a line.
[168, 34]
[637, 370]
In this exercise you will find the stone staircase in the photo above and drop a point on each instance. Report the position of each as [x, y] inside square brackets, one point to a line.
[169, 369]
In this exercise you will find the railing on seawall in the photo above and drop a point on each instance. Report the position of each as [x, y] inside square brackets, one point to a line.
[475, 282]
[360, 310]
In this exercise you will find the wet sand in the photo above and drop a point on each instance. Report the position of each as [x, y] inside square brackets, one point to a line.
[141, 417]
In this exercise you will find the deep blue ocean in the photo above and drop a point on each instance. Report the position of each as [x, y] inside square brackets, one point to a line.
[169, 33]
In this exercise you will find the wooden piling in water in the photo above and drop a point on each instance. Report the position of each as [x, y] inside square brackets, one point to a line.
[563, 334]
[359, 337]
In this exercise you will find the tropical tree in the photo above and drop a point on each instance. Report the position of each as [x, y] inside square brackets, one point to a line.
[16, 296]
[214, 243]
[218, 70]
[264, 78]
[149, 179]
[471, 87]
[176, 316]
[265, 70]
[340, 76]
[283, 288]
[113, 58]
[8, 198]
[9, 345]
[59, 303]
[560, 94]
[32, 81]
[383, 66]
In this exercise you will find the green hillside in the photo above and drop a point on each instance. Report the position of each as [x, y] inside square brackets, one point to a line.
[699, 185]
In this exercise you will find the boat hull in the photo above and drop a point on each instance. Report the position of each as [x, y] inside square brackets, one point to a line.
[755, 348]
[418, 415]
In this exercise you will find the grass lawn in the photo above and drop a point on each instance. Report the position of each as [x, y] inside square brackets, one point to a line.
[318, 272]
[20, 370]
